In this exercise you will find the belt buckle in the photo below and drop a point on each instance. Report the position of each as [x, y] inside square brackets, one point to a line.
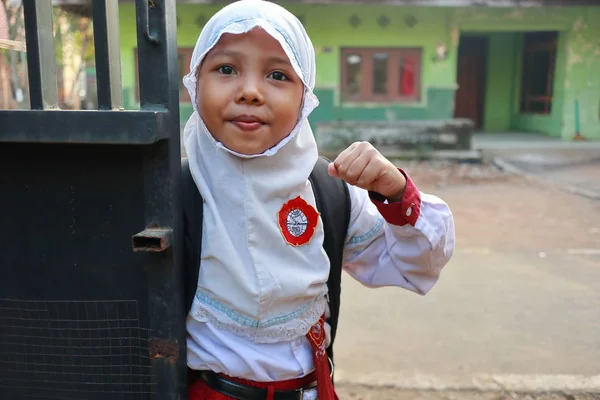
[309, 394]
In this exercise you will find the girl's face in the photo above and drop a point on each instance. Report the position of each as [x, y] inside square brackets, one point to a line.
[248, 93]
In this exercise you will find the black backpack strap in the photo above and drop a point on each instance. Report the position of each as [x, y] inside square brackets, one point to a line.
[192, 233]
[333, 202]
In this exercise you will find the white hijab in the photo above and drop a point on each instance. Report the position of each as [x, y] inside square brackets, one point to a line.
[251, 282]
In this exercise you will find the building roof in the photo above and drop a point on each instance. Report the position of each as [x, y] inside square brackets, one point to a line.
[425, 3]
[443, 3]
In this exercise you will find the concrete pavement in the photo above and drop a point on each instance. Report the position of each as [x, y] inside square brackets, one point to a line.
[572, 166]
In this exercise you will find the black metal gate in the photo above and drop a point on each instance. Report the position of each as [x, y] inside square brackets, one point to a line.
[90, 271]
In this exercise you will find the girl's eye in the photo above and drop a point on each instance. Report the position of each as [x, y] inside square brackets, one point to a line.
[226, 70]
[278, 76]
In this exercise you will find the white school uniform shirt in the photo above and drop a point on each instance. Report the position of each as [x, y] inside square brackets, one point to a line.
[406, 247]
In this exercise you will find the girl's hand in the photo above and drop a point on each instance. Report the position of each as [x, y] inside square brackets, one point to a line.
[363, 166]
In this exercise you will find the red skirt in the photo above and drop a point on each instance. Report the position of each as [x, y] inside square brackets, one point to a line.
[199, 390]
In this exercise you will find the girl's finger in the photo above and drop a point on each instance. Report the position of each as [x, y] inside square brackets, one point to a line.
[356, 167]
[342, 155]
[370, 173]
[346, 158]
[332, 170]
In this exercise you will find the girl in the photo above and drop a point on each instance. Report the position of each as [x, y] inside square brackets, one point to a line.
[256, 327]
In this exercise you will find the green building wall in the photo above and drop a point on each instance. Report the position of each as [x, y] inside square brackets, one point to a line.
[500, 88]
[577, 74]
[432, 27]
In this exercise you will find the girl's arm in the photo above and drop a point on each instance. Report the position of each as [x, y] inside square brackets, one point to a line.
[404, 243]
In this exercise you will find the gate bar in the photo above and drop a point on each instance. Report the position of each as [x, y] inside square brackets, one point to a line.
[43, 93]
[157, 44]
[108, 57]
[84, 127]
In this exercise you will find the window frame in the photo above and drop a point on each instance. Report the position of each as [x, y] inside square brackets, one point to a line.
[393, 85]
[186, 52]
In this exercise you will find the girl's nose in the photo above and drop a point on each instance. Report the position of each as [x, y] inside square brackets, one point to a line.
[250, 91]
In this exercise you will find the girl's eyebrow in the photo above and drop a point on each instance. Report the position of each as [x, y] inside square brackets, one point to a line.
[235, 54]
[226, 53]
[278, 60]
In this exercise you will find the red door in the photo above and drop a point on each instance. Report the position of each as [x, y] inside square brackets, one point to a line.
[469, 98]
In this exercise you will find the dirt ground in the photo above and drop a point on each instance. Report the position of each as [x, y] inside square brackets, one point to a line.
[496, 213]
[363, 393]
[434, 175]
[494, 209]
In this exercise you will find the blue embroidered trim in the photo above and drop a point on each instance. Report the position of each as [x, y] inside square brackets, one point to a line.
[368, 235]
[243, 320]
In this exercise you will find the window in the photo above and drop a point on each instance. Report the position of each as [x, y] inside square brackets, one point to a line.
[184, 57]
[537, 72]
[381, 74]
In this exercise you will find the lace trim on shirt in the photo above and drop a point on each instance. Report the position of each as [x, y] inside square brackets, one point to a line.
[283, 328]
[367, 236]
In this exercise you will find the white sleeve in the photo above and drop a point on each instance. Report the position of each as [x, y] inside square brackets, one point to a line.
[403, 244]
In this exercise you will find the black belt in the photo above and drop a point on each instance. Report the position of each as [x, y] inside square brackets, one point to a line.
[244, 392]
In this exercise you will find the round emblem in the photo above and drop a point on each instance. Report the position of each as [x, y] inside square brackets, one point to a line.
[298, 221]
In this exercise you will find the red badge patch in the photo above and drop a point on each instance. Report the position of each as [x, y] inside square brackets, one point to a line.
[298, 221]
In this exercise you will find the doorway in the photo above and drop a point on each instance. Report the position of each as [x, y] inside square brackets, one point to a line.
[471, 79]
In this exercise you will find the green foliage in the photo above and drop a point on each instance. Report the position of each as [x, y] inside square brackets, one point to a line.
[75, 31]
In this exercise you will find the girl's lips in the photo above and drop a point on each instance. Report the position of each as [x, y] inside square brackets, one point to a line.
[247, 126]
[247, 122]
